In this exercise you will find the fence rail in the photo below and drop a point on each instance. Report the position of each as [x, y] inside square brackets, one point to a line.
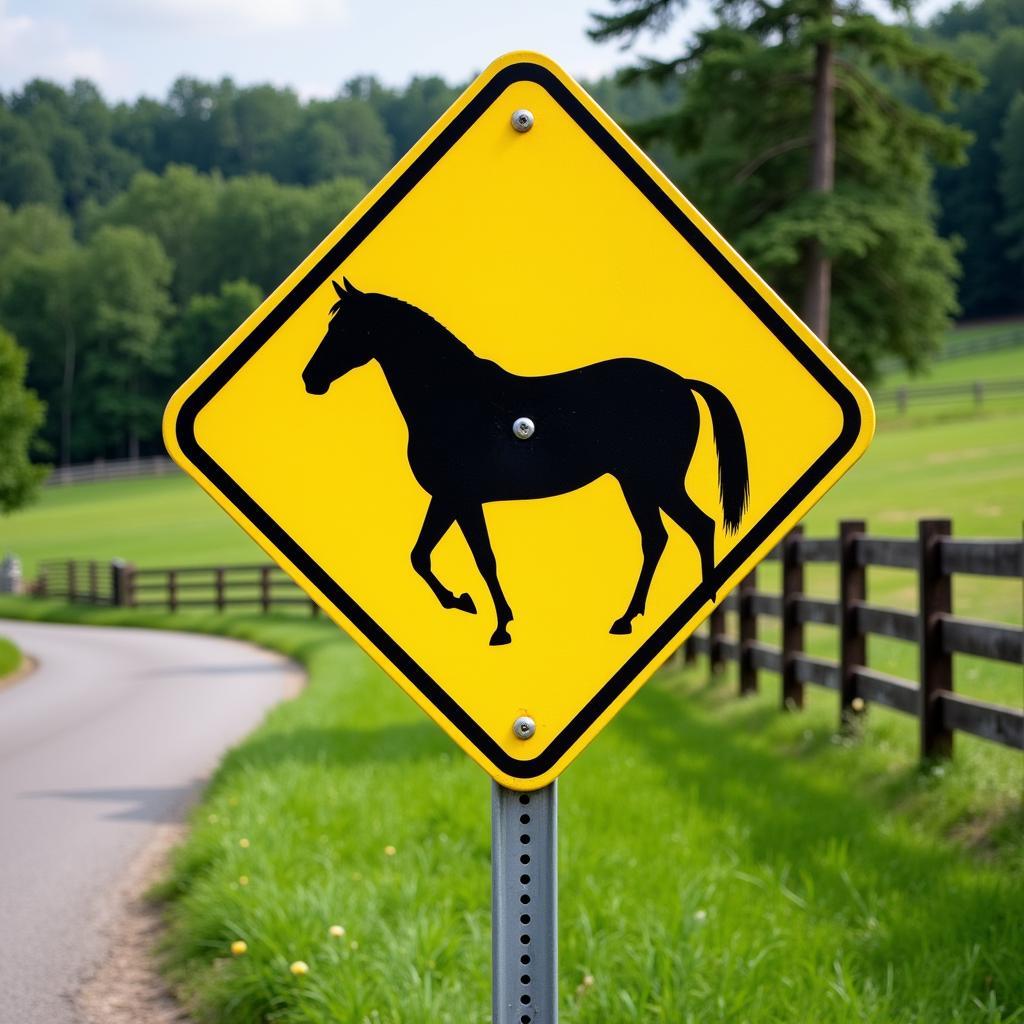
[111, 469]
[977, 392]
[935, 556]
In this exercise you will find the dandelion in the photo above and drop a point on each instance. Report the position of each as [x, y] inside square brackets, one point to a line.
[389, 851]
[584, 986]
[700, 916]
[336, 931]
[243, 879]
[299, 968]
[243, 843]
[238, 947]
[857, 704]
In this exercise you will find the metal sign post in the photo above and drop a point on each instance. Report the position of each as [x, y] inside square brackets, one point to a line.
[524, 900]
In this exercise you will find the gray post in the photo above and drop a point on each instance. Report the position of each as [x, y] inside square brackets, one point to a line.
[524, 905]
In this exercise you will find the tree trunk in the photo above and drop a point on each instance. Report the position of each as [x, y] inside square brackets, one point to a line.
[818, 267]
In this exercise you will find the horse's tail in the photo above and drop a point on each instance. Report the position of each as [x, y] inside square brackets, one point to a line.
[733, 476]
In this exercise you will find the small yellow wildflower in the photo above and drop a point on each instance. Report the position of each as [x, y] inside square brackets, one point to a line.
[299, 968]
[243, 843]
[389, 851]
[336, 931]
[238, 947]
[243, 879]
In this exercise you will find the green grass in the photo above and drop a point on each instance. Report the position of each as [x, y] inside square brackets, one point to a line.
[10, 657]
[719, 861]
[1002, 364]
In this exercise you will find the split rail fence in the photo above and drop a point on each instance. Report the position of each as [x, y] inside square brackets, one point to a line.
[934, 555]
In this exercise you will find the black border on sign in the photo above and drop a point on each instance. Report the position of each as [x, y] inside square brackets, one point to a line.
[328, 264]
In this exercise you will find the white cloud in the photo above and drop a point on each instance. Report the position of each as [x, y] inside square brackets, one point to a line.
[43, 48]
[238, 15]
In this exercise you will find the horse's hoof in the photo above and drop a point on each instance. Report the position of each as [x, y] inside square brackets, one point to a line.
[464, 603]
[500, 637]
[621, 627]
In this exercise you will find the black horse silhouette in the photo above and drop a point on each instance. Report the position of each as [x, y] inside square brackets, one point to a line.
[633, 419]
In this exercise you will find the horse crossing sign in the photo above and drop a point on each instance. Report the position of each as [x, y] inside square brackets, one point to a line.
[520, 420]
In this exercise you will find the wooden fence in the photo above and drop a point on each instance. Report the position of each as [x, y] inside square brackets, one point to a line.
[935, 556]
[112, 469]
[974, 393]
[262, 587]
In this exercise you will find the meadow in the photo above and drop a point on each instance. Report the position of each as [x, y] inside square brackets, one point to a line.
[720, 860]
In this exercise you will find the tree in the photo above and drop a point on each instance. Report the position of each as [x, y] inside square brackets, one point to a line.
[811, 165]
[207, 321]
[1011, 149]
[973, 198]
[21, 414]
[123, 278]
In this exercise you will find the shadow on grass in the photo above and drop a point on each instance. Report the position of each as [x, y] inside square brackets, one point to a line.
[817, 833]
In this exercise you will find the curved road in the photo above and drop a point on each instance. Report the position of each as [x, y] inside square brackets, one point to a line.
[111, 736]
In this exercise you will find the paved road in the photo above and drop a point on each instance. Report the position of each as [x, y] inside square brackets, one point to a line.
[111, 736]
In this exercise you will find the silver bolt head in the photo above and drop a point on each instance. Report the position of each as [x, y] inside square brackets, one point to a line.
[522, 120]
[524, 727]
[523, 428]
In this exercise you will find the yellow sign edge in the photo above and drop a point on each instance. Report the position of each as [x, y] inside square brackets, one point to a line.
[838, 370]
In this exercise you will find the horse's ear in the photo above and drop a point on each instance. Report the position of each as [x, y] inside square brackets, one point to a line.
[350, 287]
[339, 289]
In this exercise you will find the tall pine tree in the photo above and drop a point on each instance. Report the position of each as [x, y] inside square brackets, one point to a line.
[800, 153]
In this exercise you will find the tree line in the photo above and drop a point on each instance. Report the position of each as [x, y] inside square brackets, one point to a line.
[135, 236]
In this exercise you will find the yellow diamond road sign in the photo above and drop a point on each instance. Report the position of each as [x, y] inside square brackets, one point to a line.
[519, 419]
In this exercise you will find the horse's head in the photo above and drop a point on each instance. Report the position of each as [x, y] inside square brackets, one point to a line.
[348, 343]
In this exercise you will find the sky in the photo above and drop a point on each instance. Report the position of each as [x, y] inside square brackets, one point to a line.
[138, 47]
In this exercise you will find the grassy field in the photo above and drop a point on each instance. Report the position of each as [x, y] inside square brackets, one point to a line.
[719, 862]
[10, 657]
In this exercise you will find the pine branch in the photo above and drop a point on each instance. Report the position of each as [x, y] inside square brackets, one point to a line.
[769, 154]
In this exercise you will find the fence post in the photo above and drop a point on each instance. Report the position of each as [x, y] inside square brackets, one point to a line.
[264, 589]
[936, 671]
[792, 628]
[901, 401]
[172, 590]
[121, 583]
[748, 633]
[72, 588]
[716, 634]
[218, 587]
[852, 643]
[93, 583]
[689, 651]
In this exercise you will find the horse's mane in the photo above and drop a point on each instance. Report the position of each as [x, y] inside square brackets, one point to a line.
[422, 329]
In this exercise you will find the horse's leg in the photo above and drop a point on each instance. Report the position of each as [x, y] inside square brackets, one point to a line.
[474, 528]
[701, 528]
[653, 537]
[438, 519]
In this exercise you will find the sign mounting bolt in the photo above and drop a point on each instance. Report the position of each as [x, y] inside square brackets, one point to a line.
[522, 120]
[524, 727]
[523, 428]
